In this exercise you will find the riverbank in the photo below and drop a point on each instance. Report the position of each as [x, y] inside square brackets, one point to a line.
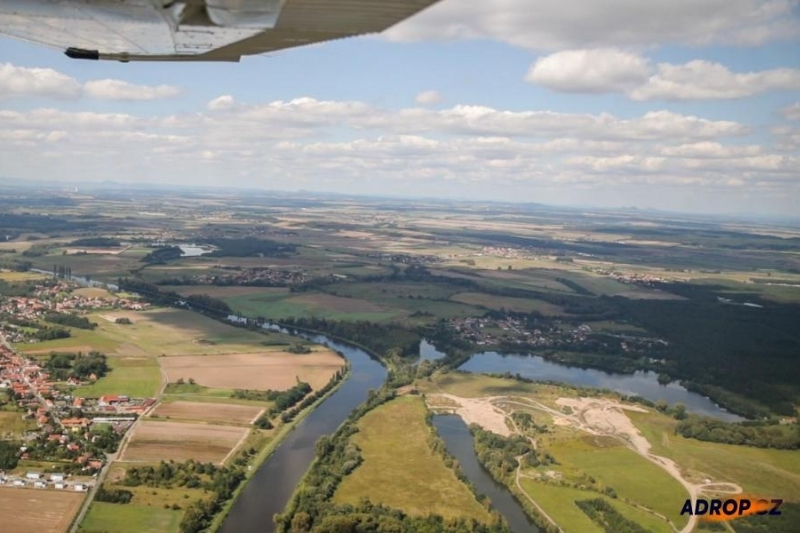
[270, 448]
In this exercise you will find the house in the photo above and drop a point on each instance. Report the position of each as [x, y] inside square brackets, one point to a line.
[33, 475]
[39, 484]
[61, 486]
[57, 477]
[18, 483]
[80, 487]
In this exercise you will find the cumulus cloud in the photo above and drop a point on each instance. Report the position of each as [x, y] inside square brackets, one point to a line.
[223, 102]
[705, 80]
[327, 141]
[122, 90]
[613, 70]
[23, 81]
[560, 24]
[428, 98]
[18, 82]
[592, 71]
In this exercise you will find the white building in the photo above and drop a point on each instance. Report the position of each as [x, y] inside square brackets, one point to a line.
[33, 475]
[56, 477]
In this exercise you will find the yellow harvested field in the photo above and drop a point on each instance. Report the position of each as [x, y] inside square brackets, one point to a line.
[38, 510]
[156, 441]
[209, 412]
[258, 371]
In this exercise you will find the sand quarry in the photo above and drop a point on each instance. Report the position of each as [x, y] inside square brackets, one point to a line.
[596, 416]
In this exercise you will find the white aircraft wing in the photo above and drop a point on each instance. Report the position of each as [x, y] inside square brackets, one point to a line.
[194, 30]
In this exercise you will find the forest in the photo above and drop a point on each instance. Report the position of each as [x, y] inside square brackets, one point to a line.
[96, 242]
[604, 515]
[760, 434]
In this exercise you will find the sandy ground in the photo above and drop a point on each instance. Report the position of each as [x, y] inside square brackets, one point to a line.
[38, 510]
[209, 412]
[257, 371]
[473, 411]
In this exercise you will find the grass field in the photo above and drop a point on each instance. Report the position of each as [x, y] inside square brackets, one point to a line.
[137, 377]
[209, 412]
[14, 277]
[267, 370]
[157, 440]
[400, 470]
[491, 301]
[130, 518]
[12, 425]
[772, 473]
[559, 503]
[630, 475]
[167, 331]
[277, 306]
[38, 510]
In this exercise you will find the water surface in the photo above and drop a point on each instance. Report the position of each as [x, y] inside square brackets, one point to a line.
[458, 441]
[644, 384]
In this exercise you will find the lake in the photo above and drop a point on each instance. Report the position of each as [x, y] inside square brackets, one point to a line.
[644, 384]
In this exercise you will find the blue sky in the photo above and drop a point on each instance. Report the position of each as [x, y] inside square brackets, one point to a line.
[691, 105]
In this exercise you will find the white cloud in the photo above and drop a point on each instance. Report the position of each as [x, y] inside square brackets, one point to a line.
[560, 24]
[122, 90]
[792, 112]
[428, 98]
[610, 70]
[704, 80]
[22, 81]
[711, 150]
[592, 71]
[225, 101]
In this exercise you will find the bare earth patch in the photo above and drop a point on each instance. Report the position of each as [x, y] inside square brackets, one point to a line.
[473, 411]
[258, 371]
[38, 510]
[209, 412]
[156, 441]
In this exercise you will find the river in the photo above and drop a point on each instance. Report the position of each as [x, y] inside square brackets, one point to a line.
[644, 384]
[270, 489]
[458, 441]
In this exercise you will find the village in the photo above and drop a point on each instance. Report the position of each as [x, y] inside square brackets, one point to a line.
[72, 431]
[259, 277]
[506, 330]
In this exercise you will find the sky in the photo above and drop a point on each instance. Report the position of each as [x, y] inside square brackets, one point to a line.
[683, 105]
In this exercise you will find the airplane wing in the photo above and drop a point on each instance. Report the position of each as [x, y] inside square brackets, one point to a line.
[194, 30]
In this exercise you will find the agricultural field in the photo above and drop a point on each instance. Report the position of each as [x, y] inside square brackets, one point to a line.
[269, 369]
[400, 470]
[212, 413]
[277, 305]
[38, 510]
[12, 425]
[164, 440]
[137, 377]
[490, 301]
[15, 277]
[131, 518]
